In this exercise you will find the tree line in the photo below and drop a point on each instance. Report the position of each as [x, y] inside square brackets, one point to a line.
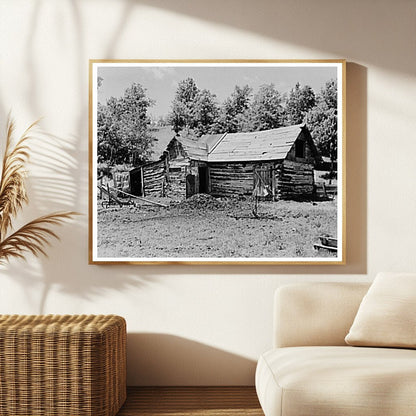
[124, 125]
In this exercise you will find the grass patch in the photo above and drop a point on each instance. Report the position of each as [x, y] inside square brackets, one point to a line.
[216, 228]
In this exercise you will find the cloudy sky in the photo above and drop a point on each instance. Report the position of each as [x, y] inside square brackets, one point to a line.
[161, 81]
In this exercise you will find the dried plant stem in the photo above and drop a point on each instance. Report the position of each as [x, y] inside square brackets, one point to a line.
[34, 236]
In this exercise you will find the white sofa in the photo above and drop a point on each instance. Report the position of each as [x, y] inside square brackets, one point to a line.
[311, 371]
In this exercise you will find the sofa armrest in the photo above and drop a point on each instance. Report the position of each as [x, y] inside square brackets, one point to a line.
[309, 314]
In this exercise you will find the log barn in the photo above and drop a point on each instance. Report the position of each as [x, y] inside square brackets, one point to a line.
[187, 165]
[149, 178]
[179, 171]
[272, 164]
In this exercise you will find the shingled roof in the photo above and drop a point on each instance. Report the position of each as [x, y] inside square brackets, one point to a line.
[201, 148]
[259, 145]
[264, 145]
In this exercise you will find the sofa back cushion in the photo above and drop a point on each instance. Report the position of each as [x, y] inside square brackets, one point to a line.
[309, 314]
[387, 314]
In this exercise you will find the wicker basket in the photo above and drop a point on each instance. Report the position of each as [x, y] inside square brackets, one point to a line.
[52, 365]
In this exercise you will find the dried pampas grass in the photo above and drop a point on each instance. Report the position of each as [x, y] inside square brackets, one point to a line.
[34, 236]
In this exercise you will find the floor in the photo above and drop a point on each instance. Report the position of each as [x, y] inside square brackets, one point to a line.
[187, 401]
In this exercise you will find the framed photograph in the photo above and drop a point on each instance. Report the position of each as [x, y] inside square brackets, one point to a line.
[217, 162]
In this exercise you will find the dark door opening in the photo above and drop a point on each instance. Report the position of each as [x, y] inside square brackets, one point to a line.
[136, 182]
[203, 179]
[190, 185]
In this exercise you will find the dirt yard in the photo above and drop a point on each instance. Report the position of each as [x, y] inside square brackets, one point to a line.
[203, 226]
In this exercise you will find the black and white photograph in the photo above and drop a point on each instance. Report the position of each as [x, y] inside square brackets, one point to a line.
[217, 162]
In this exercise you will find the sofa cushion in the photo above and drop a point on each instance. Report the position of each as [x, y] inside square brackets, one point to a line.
[315, 314]
[341, 381]
[387, 314]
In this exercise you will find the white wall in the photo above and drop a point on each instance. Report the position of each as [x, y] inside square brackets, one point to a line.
[204, 324]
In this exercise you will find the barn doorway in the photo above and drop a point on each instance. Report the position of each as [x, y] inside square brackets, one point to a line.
[190, 185]
[264, 182]
[203, 179]
[136, 182]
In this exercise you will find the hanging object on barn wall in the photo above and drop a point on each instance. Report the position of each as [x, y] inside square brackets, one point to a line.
[208, 162]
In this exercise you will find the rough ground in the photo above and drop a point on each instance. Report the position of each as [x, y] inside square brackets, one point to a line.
[204, 226]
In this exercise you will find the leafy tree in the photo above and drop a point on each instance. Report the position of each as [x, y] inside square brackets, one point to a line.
[266, 111]
[329, 94]
[240, 99]
[107, 140]
[205, 112]
[183, 105]
[234, 112]
[193, 110]
[123, 127]
[322, 123]
[299, 102]
[134, 123]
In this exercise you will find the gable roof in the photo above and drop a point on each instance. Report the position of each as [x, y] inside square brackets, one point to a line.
[199, 149]
[195, 149]
[264, 145]
[259, 145]
[163, 135]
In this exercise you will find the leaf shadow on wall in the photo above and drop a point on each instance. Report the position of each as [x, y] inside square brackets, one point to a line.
[51, 188]
[59, 182]
[164, 359]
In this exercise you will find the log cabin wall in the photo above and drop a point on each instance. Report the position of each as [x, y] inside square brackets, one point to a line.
[231, 179]
[176, 181]
[292, 180]
[183, 178]
[182, 172]
[239, 179]
[167, 178]
[175, 175]
[295, 180]
[177, 167]
[154, 179]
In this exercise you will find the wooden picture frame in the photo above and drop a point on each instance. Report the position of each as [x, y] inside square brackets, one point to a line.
[217, 162]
